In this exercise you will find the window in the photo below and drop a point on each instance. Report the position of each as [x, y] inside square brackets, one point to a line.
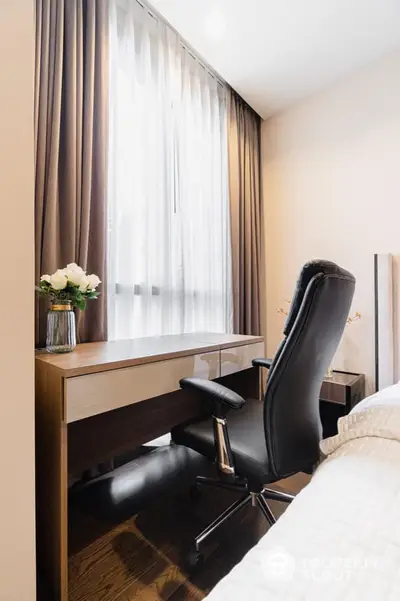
[169, 238]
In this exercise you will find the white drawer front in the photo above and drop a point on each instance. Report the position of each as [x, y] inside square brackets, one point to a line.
[240, 357]
[97, 393]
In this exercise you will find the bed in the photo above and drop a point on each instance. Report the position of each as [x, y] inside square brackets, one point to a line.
[340, 538]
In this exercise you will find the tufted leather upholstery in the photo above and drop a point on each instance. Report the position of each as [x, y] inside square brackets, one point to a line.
[279, 437]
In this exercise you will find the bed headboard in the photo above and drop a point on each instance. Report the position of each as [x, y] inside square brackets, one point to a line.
[385, 335]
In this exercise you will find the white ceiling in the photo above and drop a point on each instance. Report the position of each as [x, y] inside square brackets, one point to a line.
[277, 52]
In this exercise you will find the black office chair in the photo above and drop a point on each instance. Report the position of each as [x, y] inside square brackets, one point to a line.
[270, 440]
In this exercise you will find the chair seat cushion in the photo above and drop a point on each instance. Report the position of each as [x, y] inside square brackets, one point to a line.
[246, 435]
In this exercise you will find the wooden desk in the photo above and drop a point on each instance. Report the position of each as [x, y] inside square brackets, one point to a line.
[108, 397]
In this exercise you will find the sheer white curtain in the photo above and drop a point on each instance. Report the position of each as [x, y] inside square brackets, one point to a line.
[169, 236]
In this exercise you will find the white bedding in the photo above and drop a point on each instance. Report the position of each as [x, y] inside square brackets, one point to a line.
[340, 539]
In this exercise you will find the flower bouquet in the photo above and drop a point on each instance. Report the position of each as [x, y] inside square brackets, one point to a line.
[66, 289]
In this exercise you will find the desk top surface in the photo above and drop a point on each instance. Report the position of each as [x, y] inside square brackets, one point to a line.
[101, 356]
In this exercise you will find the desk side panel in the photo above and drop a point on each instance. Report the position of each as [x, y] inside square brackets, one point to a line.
[51, 480]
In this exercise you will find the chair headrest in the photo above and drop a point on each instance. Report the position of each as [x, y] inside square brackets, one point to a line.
[310, 269]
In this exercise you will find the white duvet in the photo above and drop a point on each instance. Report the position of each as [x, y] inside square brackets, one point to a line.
[340, 539]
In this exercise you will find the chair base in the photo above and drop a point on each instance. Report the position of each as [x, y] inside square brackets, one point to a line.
[255, 498]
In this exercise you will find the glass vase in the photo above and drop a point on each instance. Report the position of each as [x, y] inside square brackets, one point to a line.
[329, 373]
[61, 330]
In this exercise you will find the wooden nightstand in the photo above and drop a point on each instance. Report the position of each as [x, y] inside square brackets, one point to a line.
[339, 395]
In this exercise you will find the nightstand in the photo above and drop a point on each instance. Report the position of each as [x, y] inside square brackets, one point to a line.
[339, 395]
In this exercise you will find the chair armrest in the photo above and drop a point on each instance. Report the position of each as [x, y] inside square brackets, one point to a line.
[217, 392]
[262, 363]
[222, 399]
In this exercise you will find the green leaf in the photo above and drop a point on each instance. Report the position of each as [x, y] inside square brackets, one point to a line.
[81, 303]
[70, 293]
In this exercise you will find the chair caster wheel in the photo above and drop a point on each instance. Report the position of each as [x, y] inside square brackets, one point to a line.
[194, 561]
[195, 493]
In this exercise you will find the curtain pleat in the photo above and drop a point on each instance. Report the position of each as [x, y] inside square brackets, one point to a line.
[71, 115]
[246, 219]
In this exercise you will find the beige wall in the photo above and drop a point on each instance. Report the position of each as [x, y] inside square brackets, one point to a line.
[17, 549]
[331, 179]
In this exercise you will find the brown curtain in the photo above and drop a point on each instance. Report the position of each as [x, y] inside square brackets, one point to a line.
[246, 225]
[71, 83]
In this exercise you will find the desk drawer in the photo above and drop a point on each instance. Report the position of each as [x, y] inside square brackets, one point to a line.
[97, 393]
[240, 357]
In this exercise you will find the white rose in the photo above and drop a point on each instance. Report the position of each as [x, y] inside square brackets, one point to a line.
[45, 278]
[75, 276]
[74, 267]
[93, 281]
[58, 280]
[84, 282]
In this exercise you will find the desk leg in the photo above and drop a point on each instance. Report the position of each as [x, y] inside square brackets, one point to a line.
[51, 482]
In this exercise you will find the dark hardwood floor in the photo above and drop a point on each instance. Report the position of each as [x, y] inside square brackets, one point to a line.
[143, 558]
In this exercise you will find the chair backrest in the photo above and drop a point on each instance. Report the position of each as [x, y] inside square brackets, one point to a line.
[313, 330]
